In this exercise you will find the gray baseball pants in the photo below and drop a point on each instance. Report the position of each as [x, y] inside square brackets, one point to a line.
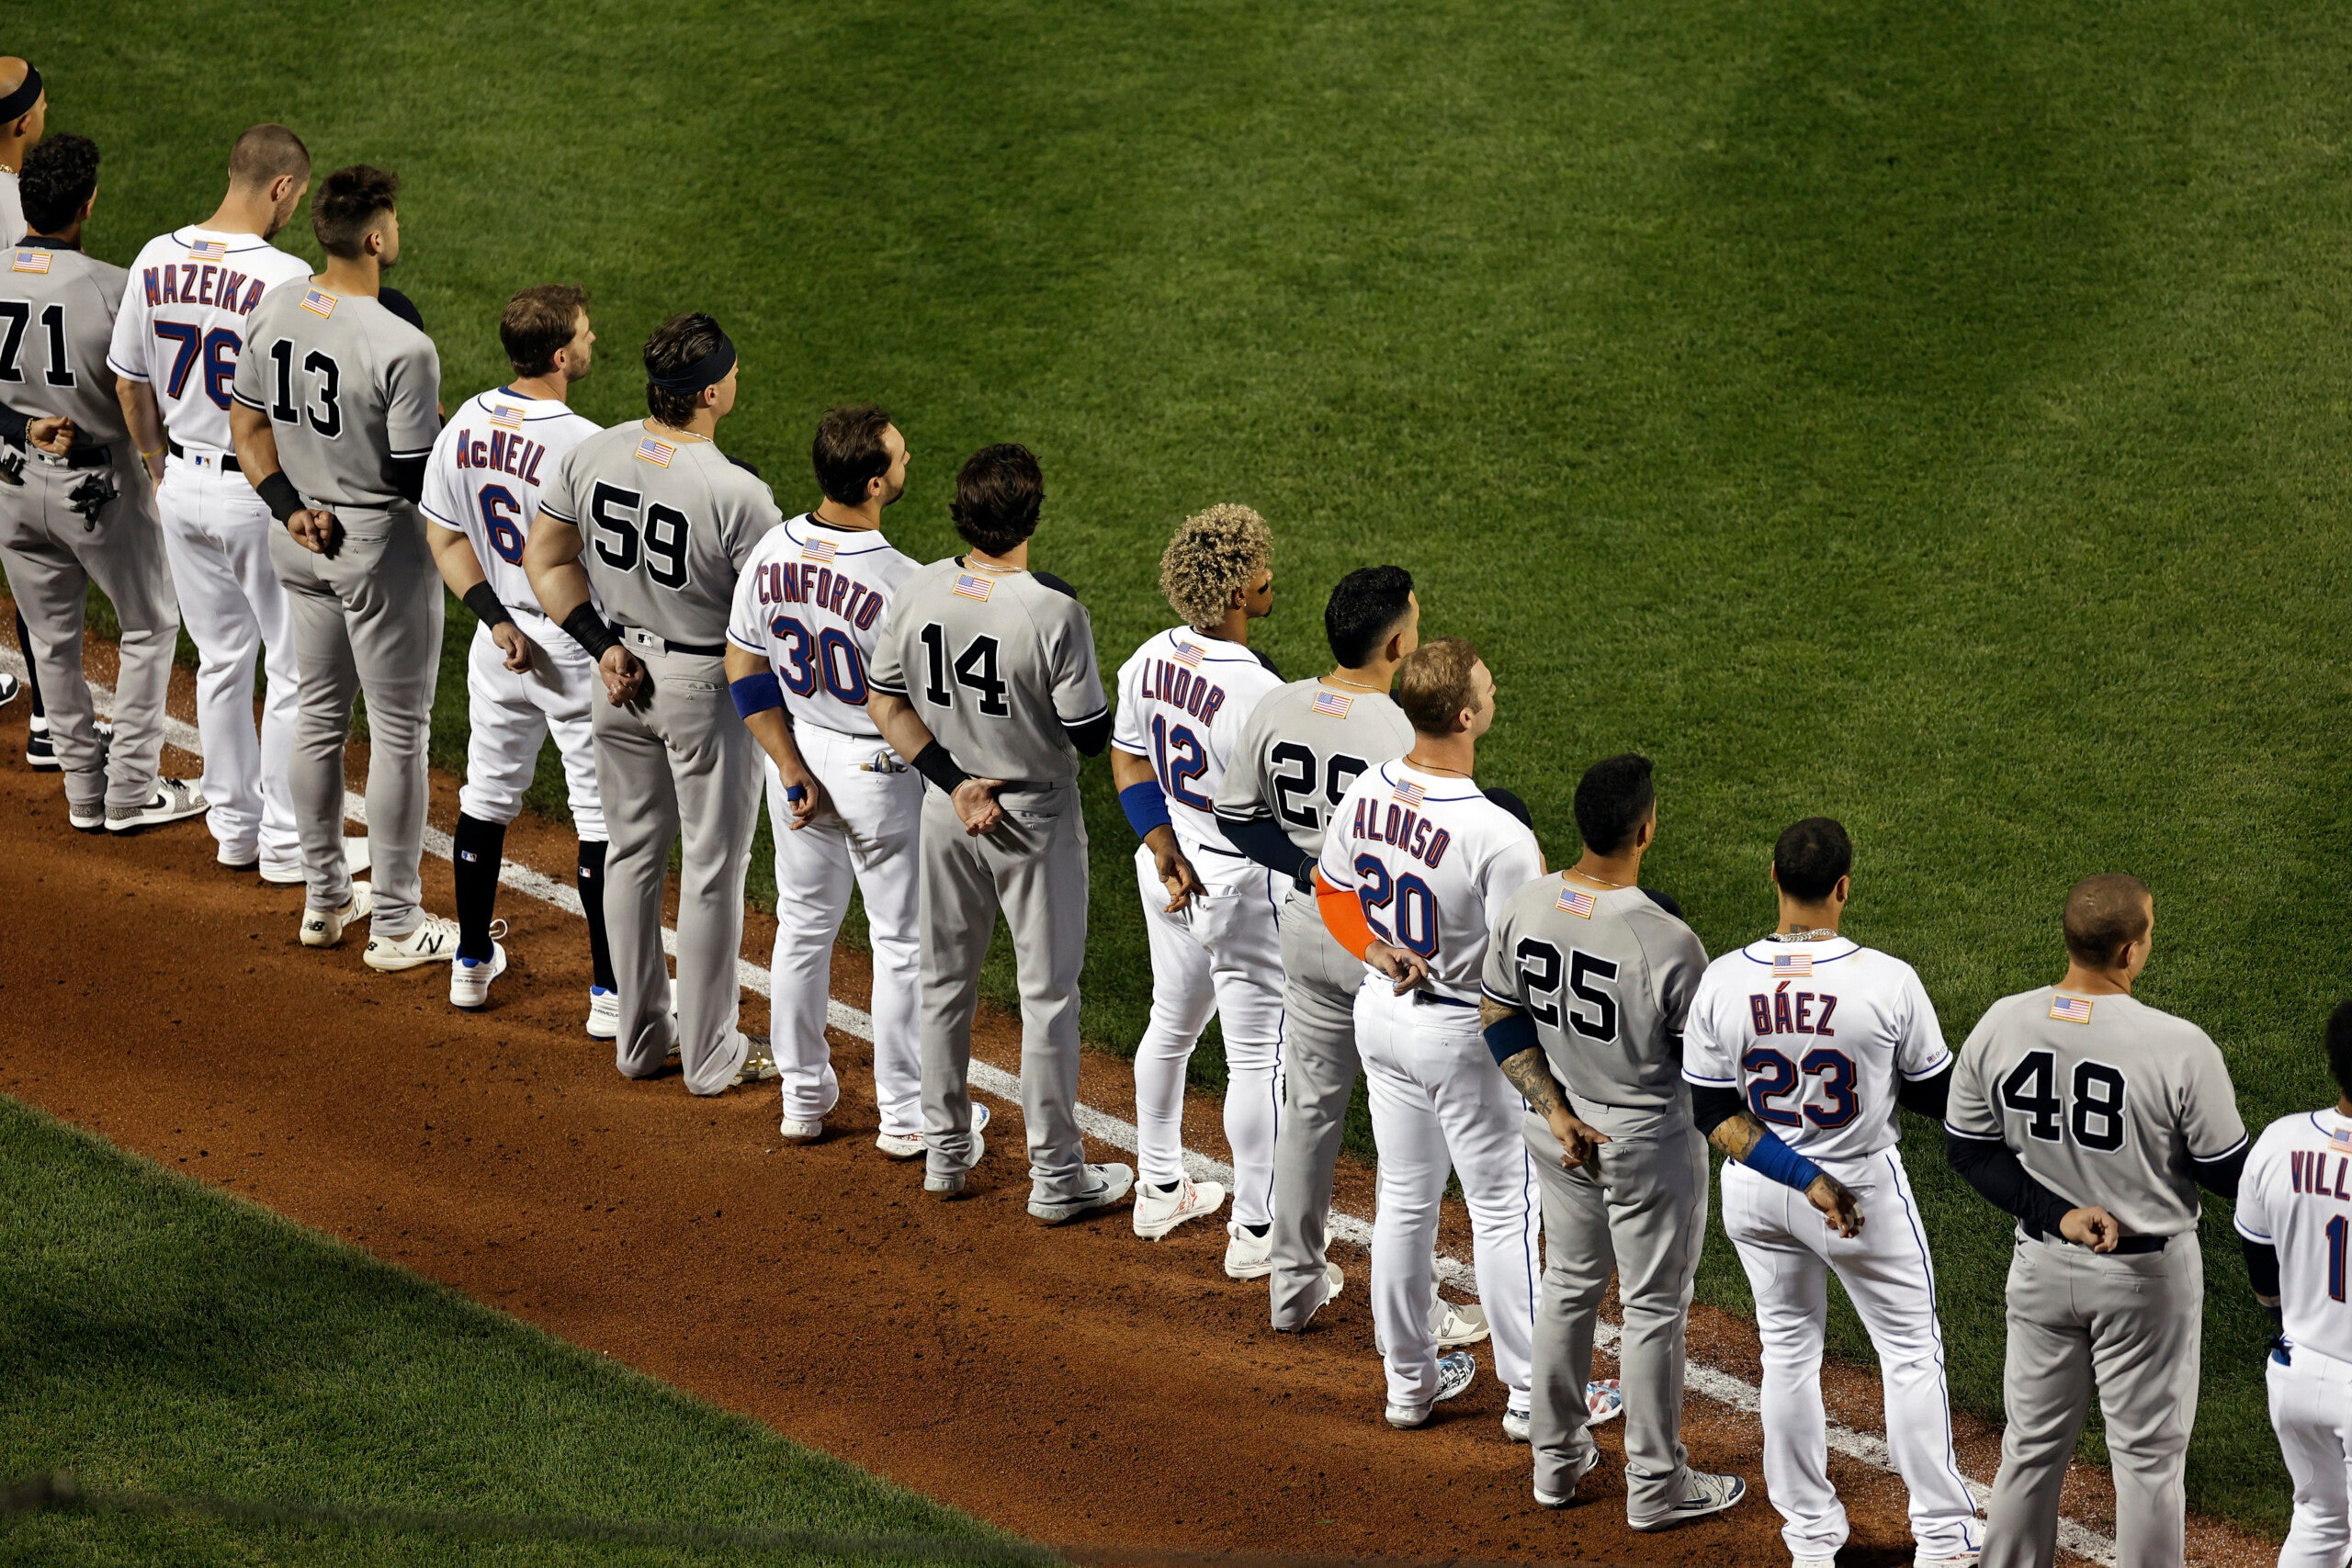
[1320, 983]
[677, 766]
[53, 553]
[366, 622]
[1034, 869]
[1645, 1216]
[2131, 1322]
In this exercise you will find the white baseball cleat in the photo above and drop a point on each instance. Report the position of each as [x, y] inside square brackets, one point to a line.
[175, 800]
[604, 1013]
[1333, 1284]
[1248, 1257]
[757, 1066]
[323, 927]
[470, 978]
[1965, 1560]
[1708, 1494]
[1561, 1499]
[434, 941]
[1456, 1326]
[1108, 1184]
[909, 1146]
[1813, 1562]
[1605, 1401]
[1160, 1210]
[792, 1130]
[1517, 1426]
[86, 818]
[951, 1184]
[9, 687]
[1456, 1372]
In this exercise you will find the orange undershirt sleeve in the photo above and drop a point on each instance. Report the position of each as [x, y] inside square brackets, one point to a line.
[1343, 917]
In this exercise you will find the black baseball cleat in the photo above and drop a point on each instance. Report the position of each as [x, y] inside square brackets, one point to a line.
[41, 757]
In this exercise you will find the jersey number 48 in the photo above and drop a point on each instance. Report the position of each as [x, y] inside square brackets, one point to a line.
[2096, 1117]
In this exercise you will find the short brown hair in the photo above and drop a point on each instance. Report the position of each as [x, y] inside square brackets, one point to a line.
[1214, 554]
[848, 454]
[538, 321]
[345, 207]
[677, 345]
[999, 492]
[2103, 912]
[265, 154]
[1433, 684]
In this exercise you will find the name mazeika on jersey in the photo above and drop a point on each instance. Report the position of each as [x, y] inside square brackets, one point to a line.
[182, 325]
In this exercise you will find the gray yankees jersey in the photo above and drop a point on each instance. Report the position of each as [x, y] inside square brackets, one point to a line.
[668, 525]
[347, 386]
[2106, 1100]
[57, 309]
[998, 663]
[1607, 977]
[1303, 746]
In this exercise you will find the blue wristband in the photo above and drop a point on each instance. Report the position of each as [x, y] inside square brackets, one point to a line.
[1507, 1037]
[756, 693]
[1146, 808]
[1770, 1158]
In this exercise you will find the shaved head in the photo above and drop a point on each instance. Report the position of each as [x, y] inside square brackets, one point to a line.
[265, 154]
[20, 123]
[12, 74]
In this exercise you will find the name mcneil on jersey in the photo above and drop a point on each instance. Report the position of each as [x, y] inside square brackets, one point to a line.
[820, 587]
[504, 453]
[202, 282]
[1166, 681]
[1408, 829]
[1778, 1012]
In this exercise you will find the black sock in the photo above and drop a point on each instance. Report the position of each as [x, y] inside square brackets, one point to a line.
[477, 849]
[1258, 1232]
[32, 681]
[591, 901]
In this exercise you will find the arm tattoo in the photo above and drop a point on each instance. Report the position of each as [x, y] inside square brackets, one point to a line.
[1735, 1135]
[1531, 1076]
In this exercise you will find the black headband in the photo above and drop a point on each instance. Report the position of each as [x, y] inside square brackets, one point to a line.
[22, 100]
[708, 371]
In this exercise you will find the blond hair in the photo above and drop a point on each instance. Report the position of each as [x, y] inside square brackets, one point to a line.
[1433, 684]
[1214, 554]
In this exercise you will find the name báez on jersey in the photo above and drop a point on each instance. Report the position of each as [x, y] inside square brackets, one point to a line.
[1778, 1012]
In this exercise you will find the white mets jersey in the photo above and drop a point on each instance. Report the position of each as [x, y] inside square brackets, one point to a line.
[1433, 861]
[1816, 1036]
[2296, 1195]
[483, 481]
[1184, 698]
[182, 326]
[810, 601]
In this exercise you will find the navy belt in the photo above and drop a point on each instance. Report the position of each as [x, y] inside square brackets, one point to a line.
[79, 457]
[636, 636]
[1428, 997]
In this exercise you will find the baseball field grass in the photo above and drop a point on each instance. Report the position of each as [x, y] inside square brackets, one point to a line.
[1934, 417]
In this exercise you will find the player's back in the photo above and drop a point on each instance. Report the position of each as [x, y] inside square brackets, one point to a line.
[348, 388]
[667, 526]
[999, 664]
[1434, 863]
[57, 310]
[184, 322]
[2105, 1100]
[490, 467]
[1819, 1037]
[813, 600]
[2296, 1196]
[1607, 974]
[1302, 746]
[1185, 700]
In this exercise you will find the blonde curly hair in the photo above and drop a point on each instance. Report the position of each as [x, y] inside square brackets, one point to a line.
[1214, 554]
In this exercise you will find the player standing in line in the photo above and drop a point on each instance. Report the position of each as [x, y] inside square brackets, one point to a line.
[1587, 979]
[174, 354]
[337, 404]
[24, 112]
[986, 664]
[1799, 1048]
[668, 523]
[1417, 867]
[2093, 1118]
[843, 807]
[74, 507]
[525, 678]
[2296, 1220]
[1209, 911]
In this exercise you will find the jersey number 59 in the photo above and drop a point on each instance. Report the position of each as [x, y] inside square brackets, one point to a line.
[624, 541]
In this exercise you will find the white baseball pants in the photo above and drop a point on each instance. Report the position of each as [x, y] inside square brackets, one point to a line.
[216, 534]
[2311, 1409]
[1221, 953]
[1788, 1251]
[867, 835]
[513, 713]
[1439, 1105]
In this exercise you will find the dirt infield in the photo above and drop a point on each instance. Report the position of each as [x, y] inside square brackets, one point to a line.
[1075, 1385]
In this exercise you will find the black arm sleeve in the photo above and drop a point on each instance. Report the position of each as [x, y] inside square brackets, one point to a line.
[1090, 736]
[408, 477]
[934, 763]
[2221, 1176]
[13, 427]
[2262, 1266]
[1265, 841]
[1926, 1096]
[1711, 1107]
[1992, 1168]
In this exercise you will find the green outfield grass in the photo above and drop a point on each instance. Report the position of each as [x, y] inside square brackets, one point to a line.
[1933, 417]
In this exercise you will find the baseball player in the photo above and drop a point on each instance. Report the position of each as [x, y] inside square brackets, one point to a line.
[174, 352]
[1418, 866]
[1587, 981]
[2294, 1213]
[24, 114]
[844, 805]
[1798, 1049]
[74, 507]
[985, 665]
[337, 404]
[1208, 911]
[2093, 1118]
[650, 523]
[525, 677]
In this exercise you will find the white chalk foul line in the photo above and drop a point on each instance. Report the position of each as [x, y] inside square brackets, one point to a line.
[1724, 1388]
